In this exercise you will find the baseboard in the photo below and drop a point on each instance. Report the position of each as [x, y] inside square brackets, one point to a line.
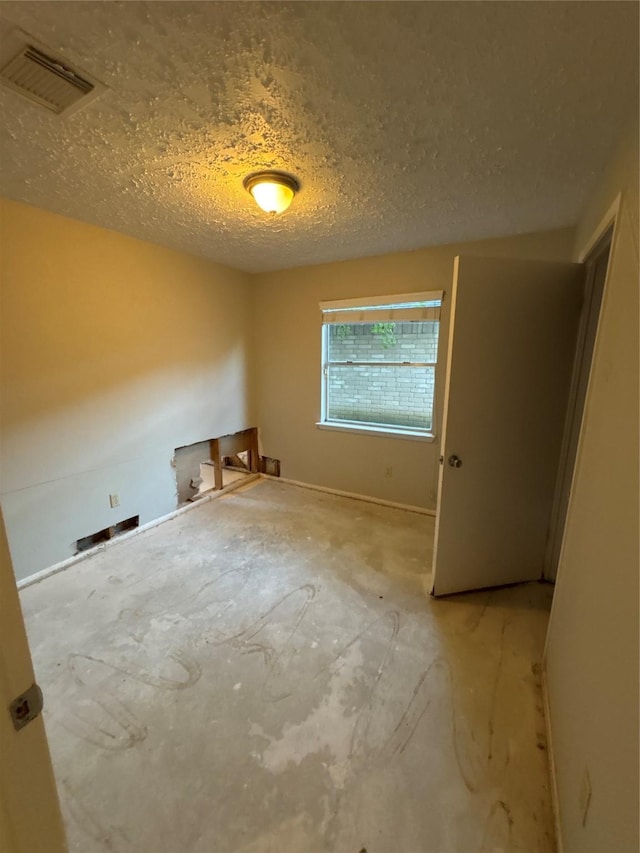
[252, 478]
[124, 537]
[408, 507]
[555, 803]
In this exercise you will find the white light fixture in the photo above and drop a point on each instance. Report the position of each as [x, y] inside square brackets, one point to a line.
[272, 191]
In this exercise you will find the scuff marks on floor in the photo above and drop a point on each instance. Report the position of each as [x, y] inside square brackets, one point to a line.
[271, 635]
[105, 722]
[187, 671]
[246, 688]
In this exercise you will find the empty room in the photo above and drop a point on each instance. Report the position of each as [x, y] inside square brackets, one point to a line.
[319, 427]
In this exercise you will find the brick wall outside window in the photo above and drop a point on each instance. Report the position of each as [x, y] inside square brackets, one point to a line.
[397, 396]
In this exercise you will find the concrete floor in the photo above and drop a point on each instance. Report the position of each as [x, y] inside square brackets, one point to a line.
[264, 674]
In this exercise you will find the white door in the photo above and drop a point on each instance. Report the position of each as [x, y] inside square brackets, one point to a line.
[30, 820]
[511, 345]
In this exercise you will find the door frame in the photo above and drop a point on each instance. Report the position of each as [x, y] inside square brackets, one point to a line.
[607, 225]
[445, 412]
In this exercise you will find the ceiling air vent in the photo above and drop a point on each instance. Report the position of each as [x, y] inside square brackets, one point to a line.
[45, 80]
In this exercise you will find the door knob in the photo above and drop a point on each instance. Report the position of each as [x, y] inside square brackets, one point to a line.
[454, 461]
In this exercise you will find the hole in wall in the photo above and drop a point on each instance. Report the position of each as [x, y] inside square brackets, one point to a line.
[270, 466]
[195, 468]
[94, 539]
[230, 474]
[127, 524]
[187, 462]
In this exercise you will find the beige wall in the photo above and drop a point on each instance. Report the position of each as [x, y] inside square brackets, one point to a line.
[288, 352]
[592, 646]
[114, 352]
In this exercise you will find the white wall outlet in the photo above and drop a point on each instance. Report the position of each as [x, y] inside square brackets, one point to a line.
[585, 795]
[114, 500]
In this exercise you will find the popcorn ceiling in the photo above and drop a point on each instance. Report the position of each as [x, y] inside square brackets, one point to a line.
[407, 124]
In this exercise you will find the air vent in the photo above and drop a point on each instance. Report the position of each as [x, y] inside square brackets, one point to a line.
[44, 79]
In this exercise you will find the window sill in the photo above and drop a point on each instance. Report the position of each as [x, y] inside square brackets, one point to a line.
[385, 432]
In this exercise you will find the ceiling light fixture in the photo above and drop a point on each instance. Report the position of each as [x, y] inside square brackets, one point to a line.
[272, 191]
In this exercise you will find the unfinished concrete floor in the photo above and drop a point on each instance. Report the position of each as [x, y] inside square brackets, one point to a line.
[264, 674]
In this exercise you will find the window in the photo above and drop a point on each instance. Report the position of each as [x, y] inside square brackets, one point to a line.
[378, 363]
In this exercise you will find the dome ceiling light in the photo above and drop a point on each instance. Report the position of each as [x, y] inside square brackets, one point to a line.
[272, 191]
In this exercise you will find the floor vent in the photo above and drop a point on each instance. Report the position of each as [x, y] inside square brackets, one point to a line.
[43, 79]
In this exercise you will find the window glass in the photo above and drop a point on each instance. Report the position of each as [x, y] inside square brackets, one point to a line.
[381, 373]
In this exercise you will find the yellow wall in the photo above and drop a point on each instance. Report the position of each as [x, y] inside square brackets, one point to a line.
[592, 647]
[287, 343]
[114, 352]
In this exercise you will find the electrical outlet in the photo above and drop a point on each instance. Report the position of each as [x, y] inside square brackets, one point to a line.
[585, 795]
[114, 500]
[388, 472]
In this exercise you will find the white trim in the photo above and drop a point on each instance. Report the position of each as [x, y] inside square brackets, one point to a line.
[369, 315]
[553, 546]
[365, 429]
[124, 537]
[253, 478]
[384, 432]
[605, 223]
[380, 501]
[610, 216]
[324, 373]
[392, 299]
[445, 415]
[555, 800]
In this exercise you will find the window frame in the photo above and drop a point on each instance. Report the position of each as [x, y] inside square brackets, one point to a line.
[376, 307]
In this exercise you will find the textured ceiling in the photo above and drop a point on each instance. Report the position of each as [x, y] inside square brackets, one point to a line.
[407, 124]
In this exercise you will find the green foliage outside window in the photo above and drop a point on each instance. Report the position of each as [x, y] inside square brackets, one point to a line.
[386, 332]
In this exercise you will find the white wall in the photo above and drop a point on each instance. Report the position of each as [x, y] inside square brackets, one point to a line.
[592, 646]
[287, 349]
[114, 353]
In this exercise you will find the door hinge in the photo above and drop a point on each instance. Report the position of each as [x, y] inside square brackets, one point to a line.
[26, 707]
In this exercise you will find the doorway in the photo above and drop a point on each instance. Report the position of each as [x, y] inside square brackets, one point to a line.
[596, 263]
